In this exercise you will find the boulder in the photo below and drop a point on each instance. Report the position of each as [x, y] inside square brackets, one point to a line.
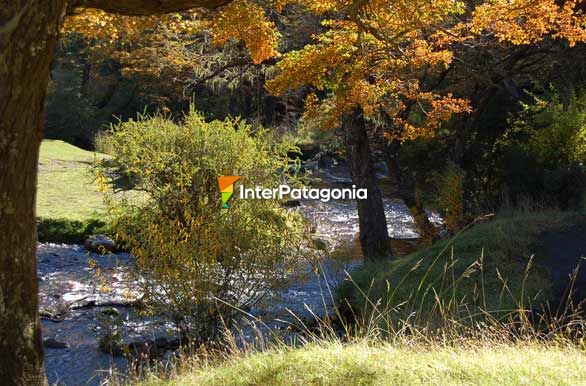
[100, 244]
[310, 166]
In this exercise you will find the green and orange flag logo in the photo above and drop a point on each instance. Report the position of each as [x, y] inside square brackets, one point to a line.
[226, 184]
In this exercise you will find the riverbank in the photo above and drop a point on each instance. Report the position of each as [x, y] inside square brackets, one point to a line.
[513, 261]
[86, 298]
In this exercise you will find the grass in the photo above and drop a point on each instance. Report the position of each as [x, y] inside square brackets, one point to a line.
[65, 187]
[486, 268]
[69, 205]
[363, 363]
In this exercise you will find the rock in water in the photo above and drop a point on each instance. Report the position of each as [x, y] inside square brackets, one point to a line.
[292, 203]
[54, 343]
[111, 311]
[100, 244]
[321, 244]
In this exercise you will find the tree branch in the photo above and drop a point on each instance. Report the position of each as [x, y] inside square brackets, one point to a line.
[146, 7]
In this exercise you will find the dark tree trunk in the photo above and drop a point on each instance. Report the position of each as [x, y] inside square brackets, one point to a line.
[28, 32]
[408, 193]
[374, 237]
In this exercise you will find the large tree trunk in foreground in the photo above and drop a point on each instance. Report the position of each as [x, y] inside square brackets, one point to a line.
[28, 32]
[408, 193]
[374, 237]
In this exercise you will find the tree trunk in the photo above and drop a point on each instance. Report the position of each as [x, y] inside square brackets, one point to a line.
[374, 236]
[408, 193]
[28, 33]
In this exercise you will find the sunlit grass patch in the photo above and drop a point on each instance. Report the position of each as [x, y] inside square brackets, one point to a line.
[361, 363]
[66, 187]
[69, 205]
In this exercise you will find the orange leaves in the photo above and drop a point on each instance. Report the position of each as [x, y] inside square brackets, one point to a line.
[145, 44]
[429, 109]
[529, 21]
[246, 21]
[240, 20]
[369, 57]
[106, 27]
[373, 54]
[572, 24]
[422, 53]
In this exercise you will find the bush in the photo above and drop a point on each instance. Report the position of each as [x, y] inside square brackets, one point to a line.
[69, 231]
[543, 153]
[201, 262]
[555, 130]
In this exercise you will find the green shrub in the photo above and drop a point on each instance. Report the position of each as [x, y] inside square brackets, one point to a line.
[554, 131]
[201, 262]
[542, 155]
[69, 231]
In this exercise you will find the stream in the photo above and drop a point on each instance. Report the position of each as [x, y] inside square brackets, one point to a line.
[79, 291]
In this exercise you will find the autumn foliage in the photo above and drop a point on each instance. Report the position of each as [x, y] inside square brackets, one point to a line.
[372, 54]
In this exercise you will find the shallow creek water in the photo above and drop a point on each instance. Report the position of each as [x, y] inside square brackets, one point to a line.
[73, 299]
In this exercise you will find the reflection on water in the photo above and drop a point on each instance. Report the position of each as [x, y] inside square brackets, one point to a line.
[338, 220]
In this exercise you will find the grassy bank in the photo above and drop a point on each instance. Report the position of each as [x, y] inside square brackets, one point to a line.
[383, 364]
[487, 268]
[69, 205]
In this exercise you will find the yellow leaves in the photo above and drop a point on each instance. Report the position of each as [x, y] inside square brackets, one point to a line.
[371, 58]
[422, 53]
[246, 21]
[571, 23]
[310, 65]
[96, 24]
[315, 6]
[529, 21]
